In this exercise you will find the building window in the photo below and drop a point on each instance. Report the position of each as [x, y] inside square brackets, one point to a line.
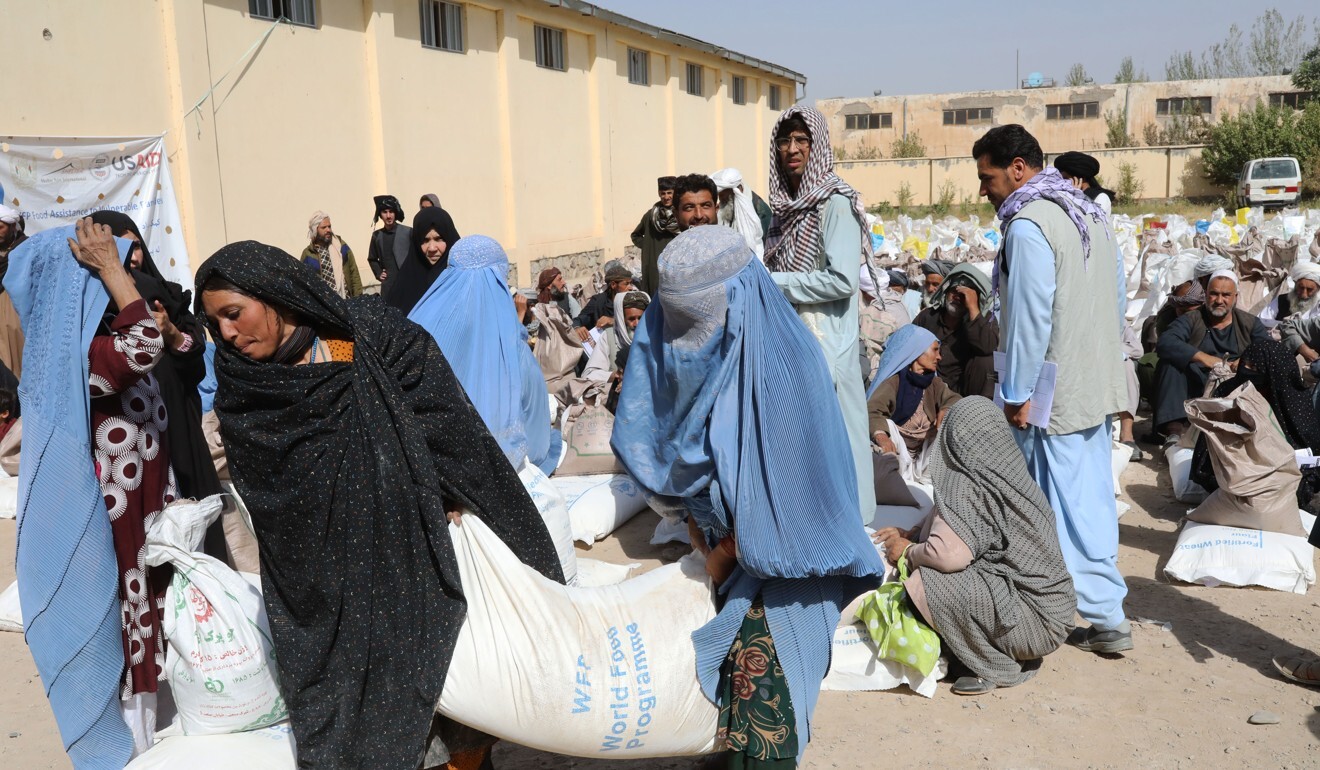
[695, 74]
[739, 89]
[1295, 99]
[1076, 111]
[870, 121]
[442, 25]
[974, 116]
[1183, 105]
[300, 12]
[549, 47]
[773, 98]
[639, 67]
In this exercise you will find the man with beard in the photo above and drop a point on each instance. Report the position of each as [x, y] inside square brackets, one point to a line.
[934, 270]
[1299, 311]
[11, 330]
[743, 210]
[1194, 344]
[968, 338]
[657, 228]
[389, 245]
[330, 257]
[558, 344]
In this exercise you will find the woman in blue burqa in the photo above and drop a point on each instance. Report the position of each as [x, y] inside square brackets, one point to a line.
[725, 410]
[471, 315]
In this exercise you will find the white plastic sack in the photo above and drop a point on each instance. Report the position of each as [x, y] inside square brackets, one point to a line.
[221, 661]
[11, 614]
[1212, 555]
[1118, 462]
[1180, 472]
[599, 504]
[671, 529]
[270, 748]
[8, 497]
[554, 511]
[587, 672]
[855, 667]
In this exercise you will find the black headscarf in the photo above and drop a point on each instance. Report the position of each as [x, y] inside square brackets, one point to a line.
[346, 467]
[177, 375]
[1273, 370]
[1084, 167]
[417, 273]
[387, 203]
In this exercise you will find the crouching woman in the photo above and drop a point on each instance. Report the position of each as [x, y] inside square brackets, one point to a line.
[985, 569]
[718, 413]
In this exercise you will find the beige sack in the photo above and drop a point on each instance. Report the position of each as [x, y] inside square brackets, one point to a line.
[587, 430]
[10, 448]
[1253, 462]
[211, 432]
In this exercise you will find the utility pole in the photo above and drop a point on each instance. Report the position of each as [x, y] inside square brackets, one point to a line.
[1017, 68]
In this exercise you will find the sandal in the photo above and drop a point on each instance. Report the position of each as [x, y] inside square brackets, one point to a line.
[972, 685]
[1299, 669]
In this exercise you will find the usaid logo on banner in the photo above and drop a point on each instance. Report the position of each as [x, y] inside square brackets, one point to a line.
[101, 166]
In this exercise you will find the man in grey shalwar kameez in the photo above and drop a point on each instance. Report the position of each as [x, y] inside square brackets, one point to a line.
[817, 241]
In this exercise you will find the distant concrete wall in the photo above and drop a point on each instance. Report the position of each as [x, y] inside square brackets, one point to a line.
[1164, 172]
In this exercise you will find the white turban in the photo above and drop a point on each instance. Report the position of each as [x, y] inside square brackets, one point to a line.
[1211, 263]
[9, 216]
[1229, 274]
[1308, 270]
[315, 222]
[727, 179]
[872, 285]
[745, 219]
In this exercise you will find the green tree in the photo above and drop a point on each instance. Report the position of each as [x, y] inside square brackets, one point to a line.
[1307, 75]
[1182, 65]
[909, 146]
[1127, 72]
[1077, 75]
[1262, 132]
[1116, 133]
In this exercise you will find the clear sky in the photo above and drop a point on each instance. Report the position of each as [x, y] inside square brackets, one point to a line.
[853, 47]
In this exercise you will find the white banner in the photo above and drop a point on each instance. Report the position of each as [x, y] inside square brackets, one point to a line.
[55, 181]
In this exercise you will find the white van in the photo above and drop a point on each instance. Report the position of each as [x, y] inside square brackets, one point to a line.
[1270, 182]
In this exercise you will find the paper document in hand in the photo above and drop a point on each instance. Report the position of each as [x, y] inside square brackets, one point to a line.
[594, 338]
[1042, 397]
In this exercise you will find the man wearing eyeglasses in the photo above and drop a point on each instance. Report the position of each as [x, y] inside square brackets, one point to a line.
[816, 243]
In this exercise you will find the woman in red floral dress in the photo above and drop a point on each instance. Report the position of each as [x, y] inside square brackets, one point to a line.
[128, 422]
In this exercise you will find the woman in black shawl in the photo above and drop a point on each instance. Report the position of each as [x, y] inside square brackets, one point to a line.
[1273, 370]
[349, 464]
[178, 373]
[433, 235]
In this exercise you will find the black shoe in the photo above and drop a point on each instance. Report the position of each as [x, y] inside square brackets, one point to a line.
[1154, 438]
[1105, 642]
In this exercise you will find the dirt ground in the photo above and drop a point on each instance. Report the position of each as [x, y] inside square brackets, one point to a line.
[1181, 699]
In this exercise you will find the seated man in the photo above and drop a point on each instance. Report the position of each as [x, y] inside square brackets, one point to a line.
[875, 321]
[1302, 300]
[934, 270]
[608, 359]
[599, 310]
[901, 295]
[1299, 314]
[1219, 333]
[908, 393]
[968, 339]
[987, 552]
[558, 347]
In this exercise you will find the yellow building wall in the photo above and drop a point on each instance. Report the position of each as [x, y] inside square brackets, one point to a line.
[548, 162]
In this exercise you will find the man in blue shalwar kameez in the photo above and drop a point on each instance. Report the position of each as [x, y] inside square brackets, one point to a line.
[1060, 278]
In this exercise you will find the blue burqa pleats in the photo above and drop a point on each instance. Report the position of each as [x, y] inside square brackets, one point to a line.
[724, 405]
[68, 578]
[470, 314]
